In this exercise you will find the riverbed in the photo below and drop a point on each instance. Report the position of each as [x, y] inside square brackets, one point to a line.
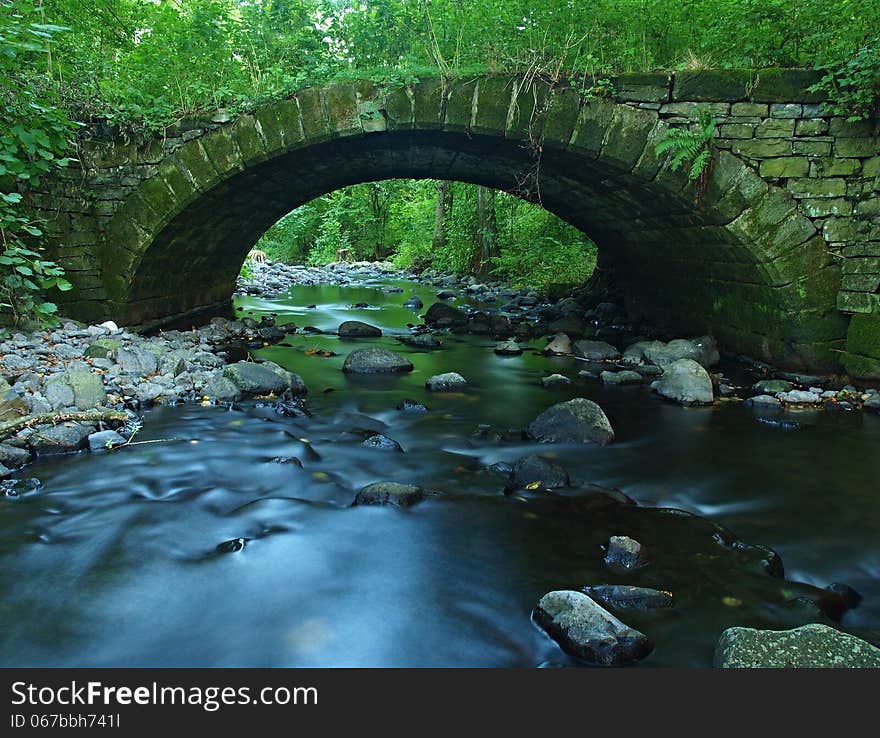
[231, 540]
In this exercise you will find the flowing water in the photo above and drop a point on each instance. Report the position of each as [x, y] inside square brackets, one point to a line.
[114, 561]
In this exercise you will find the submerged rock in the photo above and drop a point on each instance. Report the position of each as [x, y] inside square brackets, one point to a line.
[382, 442]
[585, 630]
[685, 382]
[445, 382]
[810, 646]
[533, 472]
[421, 341]
[411, 406]
[358, 329]
[389, 493]
[623, 597]
[576, 421]
[376, 361]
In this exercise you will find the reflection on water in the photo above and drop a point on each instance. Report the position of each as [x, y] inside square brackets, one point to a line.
[115, 560]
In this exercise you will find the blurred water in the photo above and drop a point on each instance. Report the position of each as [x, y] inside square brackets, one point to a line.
[113, 562]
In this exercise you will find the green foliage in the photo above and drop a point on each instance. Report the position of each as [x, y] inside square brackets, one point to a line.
[692, 146]
[852, 84]
[34, 137]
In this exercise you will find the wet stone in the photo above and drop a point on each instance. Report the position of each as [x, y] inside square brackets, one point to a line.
[389, 493]
[623, 597]
[585, 630]
[536, 473]
[624, 552]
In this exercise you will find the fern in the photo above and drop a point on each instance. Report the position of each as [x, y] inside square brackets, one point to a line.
[691, 146]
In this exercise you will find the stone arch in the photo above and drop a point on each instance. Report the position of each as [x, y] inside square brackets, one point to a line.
[741, 260]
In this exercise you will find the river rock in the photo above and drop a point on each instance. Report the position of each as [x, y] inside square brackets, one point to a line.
[533, 472]
[221, 388]
[625, 553]
[625, 377]
[810, 646]
[137, 362]
[60, 439]
[389, 493]
[411, 406]
[559, 345]
[414, 302]
[383, 443]
[555, 380]
[376, 361]
[772, 386]
[104, 440]
[799, 397]
[442, 315]
[80, 388]
[623, 597]
[686, 382]
[102, 348]
[445, 382]
[585, 630]
[255, 379]
[764, 402]
[427, 341]
[595, 350]
[703, 350]
[872, 403]
[508, 348]
[358, 329]
[577, 421]
[13, 456]
[11, 405]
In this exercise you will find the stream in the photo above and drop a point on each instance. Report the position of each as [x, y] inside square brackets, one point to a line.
[215, 547]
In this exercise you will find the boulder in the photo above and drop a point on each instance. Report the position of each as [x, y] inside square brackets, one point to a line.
[810, 646]
[533, 472]
[441, 315]
[585, 630]
[389, 493]
[595, 350]
[445, 382]
[376, 361]
[414, 302]
[576, 421]
[357, 329]
[255, 379]
[686, 382]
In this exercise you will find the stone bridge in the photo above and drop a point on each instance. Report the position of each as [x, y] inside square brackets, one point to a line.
[779, 255]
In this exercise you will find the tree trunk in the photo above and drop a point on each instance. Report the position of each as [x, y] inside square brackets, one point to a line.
[487, 230]
[441, 215]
